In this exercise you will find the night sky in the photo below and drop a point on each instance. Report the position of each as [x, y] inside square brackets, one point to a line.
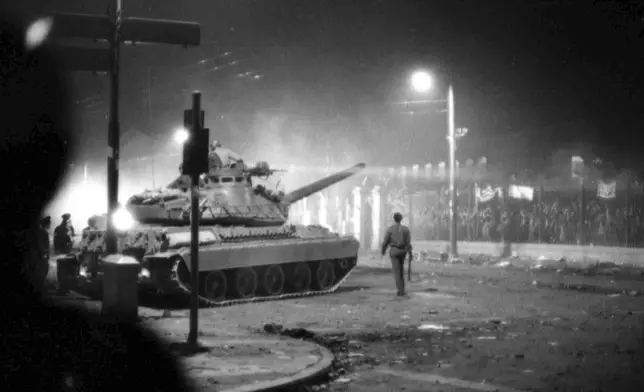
[293, 80]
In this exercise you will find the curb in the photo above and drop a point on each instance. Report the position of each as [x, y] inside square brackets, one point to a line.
[315, 371]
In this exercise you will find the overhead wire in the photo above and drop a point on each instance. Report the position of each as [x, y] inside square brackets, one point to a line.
[159, 86]
[160, 94]
[101, 98]
[162, 80]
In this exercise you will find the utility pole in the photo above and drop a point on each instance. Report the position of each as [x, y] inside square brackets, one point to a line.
[114, 132]
[150, 123]
[195, 162]
[194, 231]
[115, 28]
[422, 82]
[451, 137]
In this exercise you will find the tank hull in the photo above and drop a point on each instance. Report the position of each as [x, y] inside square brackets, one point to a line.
[236, 264]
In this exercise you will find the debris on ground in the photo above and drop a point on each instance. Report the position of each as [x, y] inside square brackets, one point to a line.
[432, 327]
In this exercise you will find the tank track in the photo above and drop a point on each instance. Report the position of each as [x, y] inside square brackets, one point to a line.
[203, 301]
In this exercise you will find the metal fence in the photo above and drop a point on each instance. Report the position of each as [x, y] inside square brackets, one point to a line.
[557, 219]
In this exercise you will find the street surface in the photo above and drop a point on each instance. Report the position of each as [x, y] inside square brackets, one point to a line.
[501, 326]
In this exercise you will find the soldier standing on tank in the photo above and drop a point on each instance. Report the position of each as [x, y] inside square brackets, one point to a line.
[398, 239]
[220, 156]
[63, 235]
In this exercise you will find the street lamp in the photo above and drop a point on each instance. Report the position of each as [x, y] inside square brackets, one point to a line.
[181, 136]
[422, 82]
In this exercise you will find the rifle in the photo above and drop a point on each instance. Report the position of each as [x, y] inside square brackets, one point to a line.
[411, 257]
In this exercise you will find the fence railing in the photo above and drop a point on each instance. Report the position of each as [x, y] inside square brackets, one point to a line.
[556, 220]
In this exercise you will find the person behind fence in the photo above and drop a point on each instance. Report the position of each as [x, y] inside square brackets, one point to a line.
[398, 240]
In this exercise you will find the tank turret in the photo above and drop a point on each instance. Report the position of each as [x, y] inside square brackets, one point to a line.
[227, 198]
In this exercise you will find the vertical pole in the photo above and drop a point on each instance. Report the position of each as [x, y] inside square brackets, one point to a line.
[150, 123]
[470, 185]
[542, 216]
[440, 207]
[477, 222]
[113, 152]
[194, 230]
[411, 214]
[638, 203]
[582, 214]
[627, 218]
[451, 136]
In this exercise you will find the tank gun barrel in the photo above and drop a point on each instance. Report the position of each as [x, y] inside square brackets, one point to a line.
[319, 185]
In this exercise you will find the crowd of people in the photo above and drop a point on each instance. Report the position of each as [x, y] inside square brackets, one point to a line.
[604, 223]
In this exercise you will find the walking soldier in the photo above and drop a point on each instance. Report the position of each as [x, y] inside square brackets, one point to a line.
[398, 240]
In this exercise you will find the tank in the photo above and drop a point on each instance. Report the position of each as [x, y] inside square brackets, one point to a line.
[247, 249]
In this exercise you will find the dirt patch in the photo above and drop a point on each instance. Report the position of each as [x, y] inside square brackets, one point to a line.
[527, 354]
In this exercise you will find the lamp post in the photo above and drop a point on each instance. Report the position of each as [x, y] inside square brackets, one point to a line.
[422, 82]
[451, 139]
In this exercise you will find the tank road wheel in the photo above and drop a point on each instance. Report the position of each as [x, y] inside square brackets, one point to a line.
[344, 265]
[215, 286]
[273, 280]
[301, 277]
[325, 276]
[245, 282]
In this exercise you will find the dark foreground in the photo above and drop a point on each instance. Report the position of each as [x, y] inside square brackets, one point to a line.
[464, 327]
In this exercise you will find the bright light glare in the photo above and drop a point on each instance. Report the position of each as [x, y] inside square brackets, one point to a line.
[421, 81]
[181, 135]
[37, 32]
[122, 220]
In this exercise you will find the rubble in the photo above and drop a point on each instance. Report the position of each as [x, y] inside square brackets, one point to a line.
[349, 349]
[432, 327]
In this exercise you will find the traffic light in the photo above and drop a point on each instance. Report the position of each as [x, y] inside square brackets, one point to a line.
[195, 149]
